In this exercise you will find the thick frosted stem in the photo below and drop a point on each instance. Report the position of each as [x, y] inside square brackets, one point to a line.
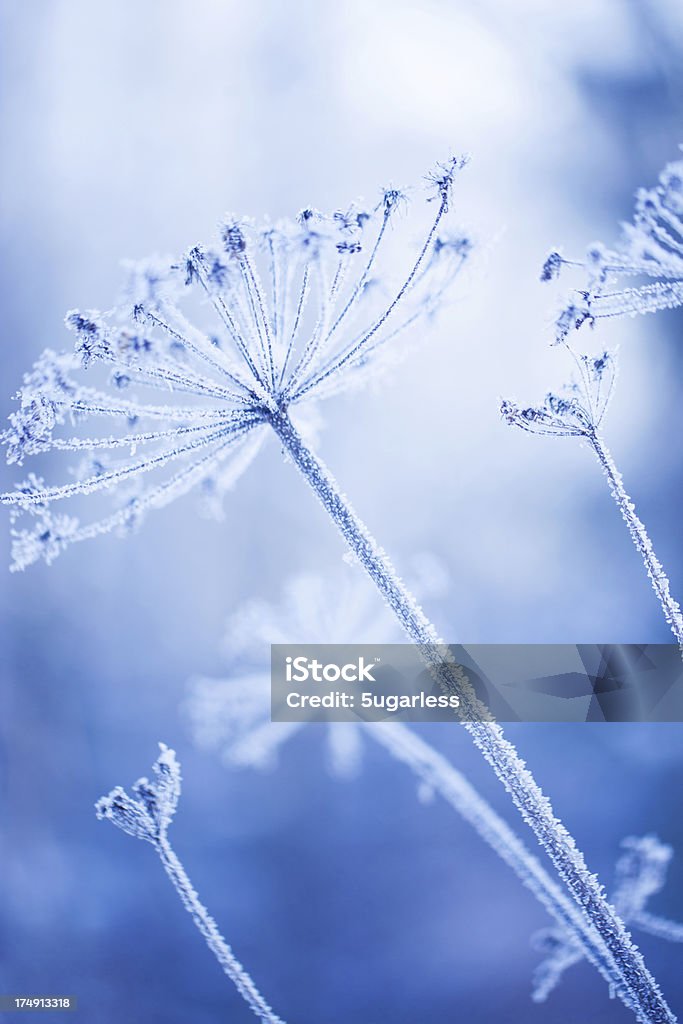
[640, 989]
[214, 940]
[660, 582]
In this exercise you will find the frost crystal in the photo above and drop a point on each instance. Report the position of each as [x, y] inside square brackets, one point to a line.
[651, 249]
[640, 873]
[230, 338]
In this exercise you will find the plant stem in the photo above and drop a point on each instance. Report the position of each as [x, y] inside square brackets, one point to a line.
[660, 582]
[641, 990]
[214, 940]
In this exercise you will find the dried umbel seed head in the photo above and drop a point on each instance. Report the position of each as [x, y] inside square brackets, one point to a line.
[149, 811]
[189, 372]
[643, 273]
[578, 410]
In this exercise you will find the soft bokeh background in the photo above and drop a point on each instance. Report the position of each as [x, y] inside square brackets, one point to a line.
[129, 128]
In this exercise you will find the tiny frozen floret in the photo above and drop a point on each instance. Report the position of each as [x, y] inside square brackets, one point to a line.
[149, 811]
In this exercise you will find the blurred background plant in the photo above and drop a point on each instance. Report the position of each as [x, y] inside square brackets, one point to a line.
[640, 874]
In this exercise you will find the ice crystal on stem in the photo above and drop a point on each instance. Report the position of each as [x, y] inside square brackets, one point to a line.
[650, 253]
[640, 874]
[147, 815]
[578, 411]
[227, 338]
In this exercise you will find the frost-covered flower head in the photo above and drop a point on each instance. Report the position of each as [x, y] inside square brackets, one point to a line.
[232, 714]
[149, 811]
[640, 874]
[188, 375]
[578, 411]
[575, 411]
[651, 248]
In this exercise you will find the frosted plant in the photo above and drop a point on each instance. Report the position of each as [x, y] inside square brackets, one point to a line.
[578, 411]
[640, 874]
[318, 321]
[146, 815]
[250, 372]
[232, 714]
[651, 249]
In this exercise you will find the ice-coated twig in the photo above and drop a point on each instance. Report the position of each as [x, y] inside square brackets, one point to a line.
[578, 411]
[147, 815]
[641, 540]
[640, 874]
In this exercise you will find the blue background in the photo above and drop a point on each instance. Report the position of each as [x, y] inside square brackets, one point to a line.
[128, 129]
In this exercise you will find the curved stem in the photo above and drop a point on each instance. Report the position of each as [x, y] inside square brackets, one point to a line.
[214, 940]
[638, 988]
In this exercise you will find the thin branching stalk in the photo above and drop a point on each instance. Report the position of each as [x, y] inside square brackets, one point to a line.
[212, 936]
[147, 815]
[639, 535]
[660, 927]
[578, 410]
[639, 987]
